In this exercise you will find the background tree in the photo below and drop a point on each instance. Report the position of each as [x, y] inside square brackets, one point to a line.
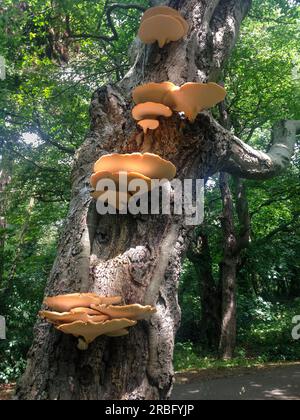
[259, 95]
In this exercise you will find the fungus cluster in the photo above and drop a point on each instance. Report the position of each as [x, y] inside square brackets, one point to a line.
[140, 166]
[162, 24]
[147, 114]
[191, 98]
[88, 316]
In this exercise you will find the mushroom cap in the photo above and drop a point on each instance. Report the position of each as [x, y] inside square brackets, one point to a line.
[119, 333]
[152, 92]
[136, 312]
[150, 109]
[116, 199]
[131, 176]
[98, 176]
[161, 28]
[116, 178]
[82, 310]
[148, 125]
[68, 317]
[193, 98]
[166, 10]
[147, 164]
[64, 303]
[91, 330]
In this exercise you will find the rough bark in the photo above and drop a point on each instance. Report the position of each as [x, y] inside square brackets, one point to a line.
[235, 241]
[137, 257]
[228, 269]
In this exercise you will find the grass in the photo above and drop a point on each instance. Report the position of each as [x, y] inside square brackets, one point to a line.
[264, 336]
[189, 356]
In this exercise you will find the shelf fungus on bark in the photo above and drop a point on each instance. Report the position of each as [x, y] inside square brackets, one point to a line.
[147, 114]
[87, 332]
[97, 317]
[116, 178]
[143, 166]
[152, 92]
[122, 169]
[65, 303]
[69, 317]
[82, 310]
[191, 98]
[146, 164]
[135, 312]
[150, 110]
[162, 24]
[148, 125]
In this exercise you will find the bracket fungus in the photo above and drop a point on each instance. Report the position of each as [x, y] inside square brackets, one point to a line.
[89, 331]
[147, 114]
[150, 110]
[67, 317]
[148, 125]
[136, 312]
[65, 303]
[192, 98]
[152, 92]
[137, 166]
[97, 316]
[95, 178]
[162, 24]
[146, 164]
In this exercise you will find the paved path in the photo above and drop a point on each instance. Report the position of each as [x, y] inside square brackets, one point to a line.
[280, 383]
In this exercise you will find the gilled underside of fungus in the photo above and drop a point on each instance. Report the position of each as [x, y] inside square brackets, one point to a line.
[162, 24]
[96, 316]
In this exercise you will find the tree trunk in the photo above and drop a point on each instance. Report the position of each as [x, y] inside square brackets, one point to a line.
[199, 254]
[234, 244]
[138, 257]
[228, 271]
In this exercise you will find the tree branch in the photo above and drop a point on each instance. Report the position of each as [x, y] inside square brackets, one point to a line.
[225, 27]
[47, 139]
[110, 22]
[246, 162]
